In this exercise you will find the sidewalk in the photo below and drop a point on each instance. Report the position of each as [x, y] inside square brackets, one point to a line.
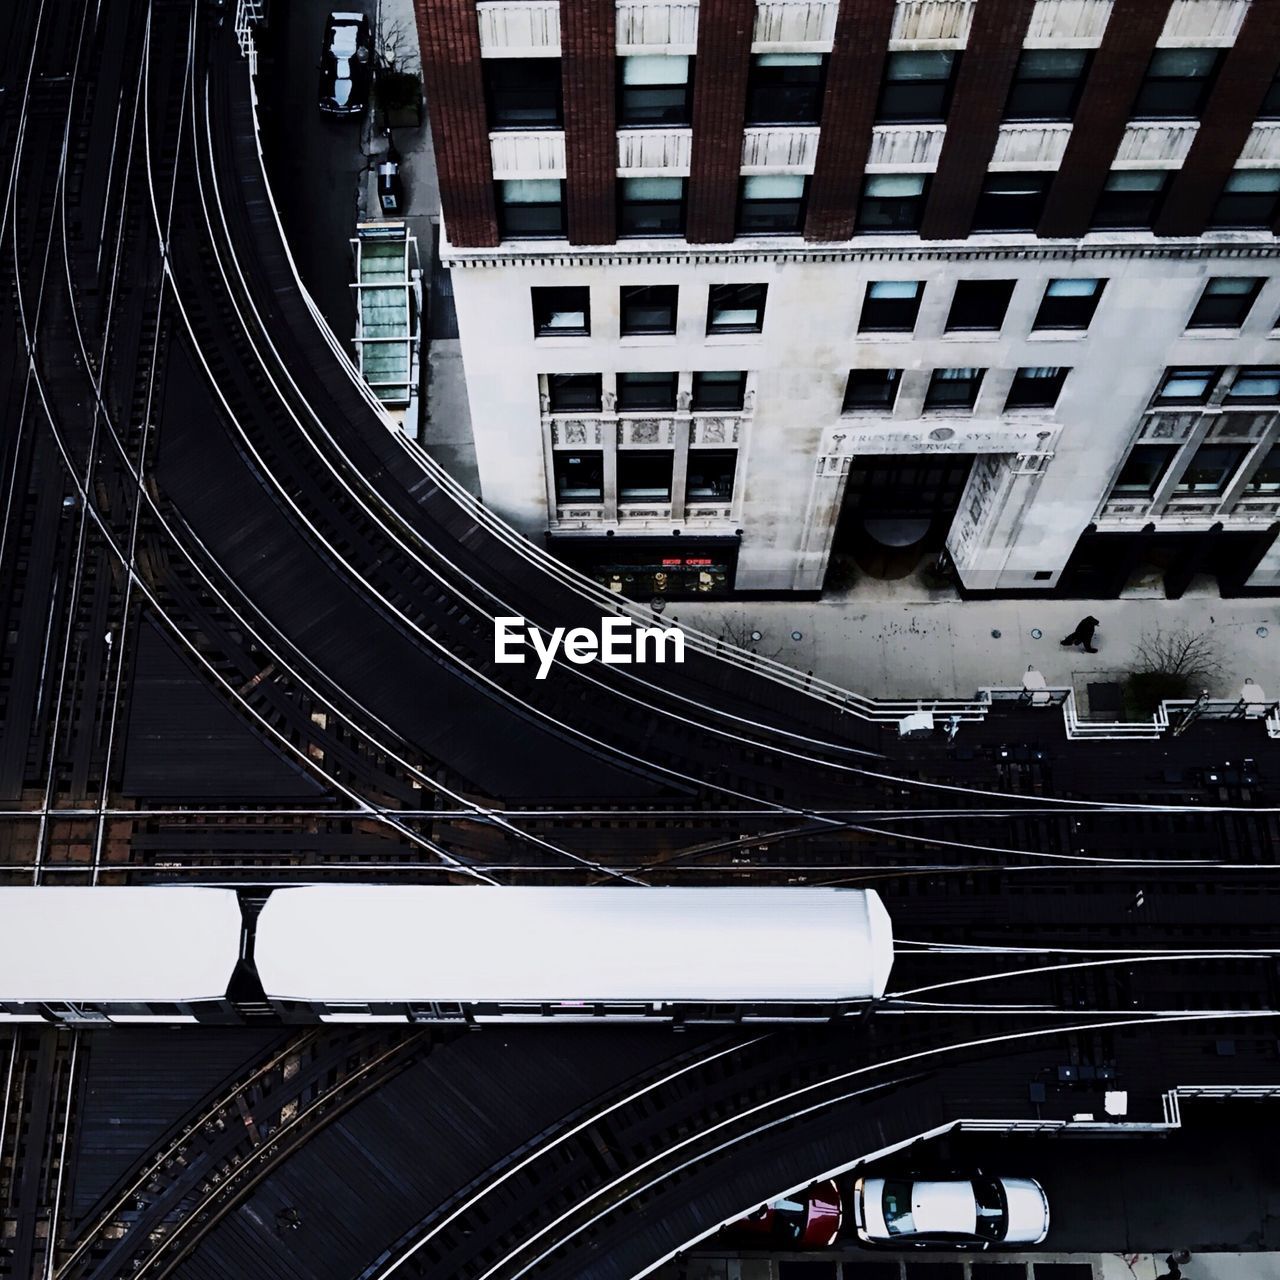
[445, 426]
[881, 642]
[885, 639]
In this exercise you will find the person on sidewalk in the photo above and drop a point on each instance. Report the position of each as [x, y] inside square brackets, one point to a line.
[1083, 634]
[1175, 1262]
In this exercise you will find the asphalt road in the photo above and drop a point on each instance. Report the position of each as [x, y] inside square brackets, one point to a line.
[316, 161]
[1213, 1186]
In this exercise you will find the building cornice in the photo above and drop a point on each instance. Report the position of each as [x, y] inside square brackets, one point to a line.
[679, 253]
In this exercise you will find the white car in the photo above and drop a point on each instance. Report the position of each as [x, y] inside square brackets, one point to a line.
[972, 1213]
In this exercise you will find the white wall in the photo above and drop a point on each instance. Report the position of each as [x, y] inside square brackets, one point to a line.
[791, 471]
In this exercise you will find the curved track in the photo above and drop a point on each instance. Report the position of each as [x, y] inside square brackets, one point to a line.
[201, 505]
[226, 505]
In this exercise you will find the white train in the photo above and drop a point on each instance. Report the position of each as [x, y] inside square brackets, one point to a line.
[374, 953]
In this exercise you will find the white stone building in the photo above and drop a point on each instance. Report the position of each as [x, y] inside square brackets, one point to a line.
[1057, 413]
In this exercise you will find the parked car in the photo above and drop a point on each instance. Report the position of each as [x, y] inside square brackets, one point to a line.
[807, 1220]
[346, 64]
[975, 1213]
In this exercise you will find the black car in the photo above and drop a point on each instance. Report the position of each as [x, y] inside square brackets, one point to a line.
[346, 64]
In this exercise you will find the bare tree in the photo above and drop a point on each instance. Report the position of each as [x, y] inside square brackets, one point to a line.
[396, 49]
[398, 78]
[1172, 664]
[735, 629]
[1191, 655]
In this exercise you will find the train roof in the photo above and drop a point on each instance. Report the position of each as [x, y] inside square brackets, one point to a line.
[107, 944]
[362, 943]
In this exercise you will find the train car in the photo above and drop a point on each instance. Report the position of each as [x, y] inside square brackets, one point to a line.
[359, 953]
[96, 955]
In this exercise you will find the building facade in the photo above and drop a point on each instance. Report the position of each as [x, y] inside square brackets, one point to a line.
[755, 292]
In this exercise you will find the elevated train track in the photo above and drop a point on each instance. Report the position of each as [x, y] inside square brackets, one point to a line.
[187, 465]
[332, 593]
[1143, 987]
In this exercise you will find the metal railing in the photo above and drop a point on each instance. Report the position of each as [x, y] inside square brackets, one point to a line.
[249, 14]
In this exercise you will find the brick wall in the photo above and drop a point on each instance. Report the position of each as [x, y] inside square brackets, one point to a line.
[981, 91]
[1114, 79]
[450, 43]
[1242, 82]
[854, 73]
[588, 45]
[719, 107]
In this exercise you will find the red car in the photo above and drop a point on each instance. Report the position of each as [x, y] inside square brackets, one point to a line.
[806, 1220]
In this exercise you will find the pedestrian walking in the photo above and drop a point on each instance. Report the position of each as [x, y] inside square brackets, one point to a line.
[1175, 1262]
[1083, 634]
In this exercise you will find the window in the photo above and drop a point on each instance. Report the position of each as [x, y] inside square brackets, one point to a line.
[653, 90]
[1143, 470]
[1270, 109]
[531, 208]
[523, 93]
[917, 87]
[644, 475]
[892, 202]
[710, 475]
[736, 308]
[771, 204]
[870, 389]
[651, 207]
[1186, 385]
[785, 88]
[1249, 198]
[979, 304]
[640, 391]
[1211, 468]
[1068, 304]
[1255, 384]
[1036, 388]
[574, 392]
[891, 306]
[1225, 302]
[562, 311]
[953, 388]
[897, 1208]
[1047, 84]
[1266, 479]
[579, 477]
[648, 308]
[1011, 201]
[992, 1209]
[719, 389]
[1130, 200]
[1176, 84]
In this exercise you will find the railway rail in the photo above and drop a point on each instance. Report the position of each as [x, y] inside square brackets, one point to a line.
[979, 977]
[355, 502]
[170, 405]
[40, 1078]
[218, 1154]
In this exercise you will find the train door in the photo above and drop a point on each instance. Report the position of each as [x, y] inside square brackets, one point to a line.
[66, 1013]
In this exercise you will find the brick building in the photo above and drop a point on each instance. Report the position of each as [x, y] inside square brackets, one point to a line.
[754, 292]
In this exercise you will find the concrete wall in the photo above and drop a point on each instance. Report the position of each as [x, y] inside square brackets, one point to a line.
[1060, 464]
